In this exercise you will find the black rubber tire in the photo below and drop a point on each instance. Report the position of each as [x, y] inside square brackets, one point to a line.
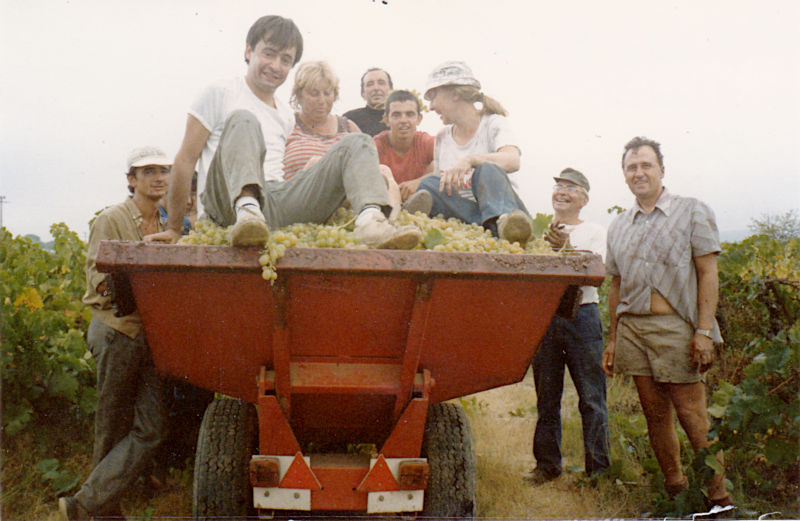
[228, 437]
[448, 446]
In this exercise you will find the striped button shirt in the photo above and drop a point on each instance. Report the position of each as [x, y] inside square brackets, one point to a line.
[655, 252]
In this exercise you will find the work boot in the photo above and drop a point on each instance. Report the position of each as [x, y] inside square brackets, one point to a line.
[375, 231]
[539, 476]
[250, 229]
[72, 510]
[515, 226]
[420, 201]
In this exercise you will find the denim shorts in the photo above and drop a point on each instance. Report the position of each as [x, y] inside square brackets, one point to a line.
[657, 346]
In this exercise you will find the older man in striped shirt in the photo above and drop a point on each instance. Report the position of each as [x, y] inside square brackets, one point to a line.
[662, 256]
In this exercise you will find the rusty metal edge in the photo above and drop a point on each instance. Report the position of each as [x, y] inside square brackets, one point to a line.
[128, 256]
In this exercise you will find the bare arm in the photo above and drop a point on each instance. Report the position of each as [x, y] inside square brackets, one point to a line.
[506, 157]
[407, 188]
[611, 347]
[180, 182]
[707, 297]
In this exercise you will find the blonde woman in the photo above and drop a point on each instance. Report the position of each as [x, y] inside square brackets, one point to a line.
[315, 89]
[473, 155]
[316, 130]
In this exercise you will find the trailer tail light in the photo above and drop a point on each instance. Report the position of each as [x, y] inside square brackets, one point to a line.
[265, 472]
[413, 475]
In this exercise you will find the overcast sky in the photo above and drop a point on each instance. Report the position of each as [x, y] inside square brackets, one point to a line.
[716, 82]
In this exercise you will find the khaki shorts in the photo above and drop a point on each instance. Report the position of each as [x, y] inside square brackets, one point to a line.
[657, 346]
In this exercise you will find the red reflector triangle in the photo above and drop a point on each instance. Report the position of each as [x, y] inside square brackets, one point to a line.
[379, 478]
[299, 475]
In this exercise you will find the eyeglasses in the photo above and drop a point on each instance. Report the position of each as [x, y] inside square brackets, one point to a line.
[567, 188]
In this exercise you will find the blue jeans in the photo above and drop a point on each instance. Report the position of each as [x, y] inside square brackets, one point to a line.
[493, 193]
[578, 344]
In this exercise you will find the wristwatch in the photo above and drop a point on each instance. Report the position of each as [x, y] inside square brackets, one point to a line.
[705, 332]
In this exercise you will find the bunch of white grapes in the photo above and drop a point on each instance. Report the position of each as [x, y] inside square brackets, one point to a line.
[438, 234]
[206, 232]
[307, 235]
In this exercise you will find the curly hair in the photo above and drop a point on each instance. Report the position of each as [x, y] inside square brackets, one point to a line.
[639, 142]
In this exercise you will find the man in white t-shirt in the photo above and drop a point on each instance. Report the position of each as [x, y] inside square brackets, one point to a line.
[236, 135]
[576, 344]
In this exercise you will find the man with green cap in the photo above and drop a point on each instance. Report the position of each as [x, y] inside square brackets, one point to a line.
[576, 343]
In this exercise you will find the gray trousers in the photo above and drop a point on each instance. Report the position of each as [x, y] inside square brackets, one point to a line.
[130, 417]
[348, 171]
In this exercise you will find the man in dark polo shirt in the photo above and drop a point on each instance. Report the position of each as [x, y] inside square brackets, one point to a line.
[375, 86]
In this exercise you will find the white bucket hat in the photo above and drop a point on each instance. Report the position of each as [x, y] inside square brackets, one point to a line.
[451, 73]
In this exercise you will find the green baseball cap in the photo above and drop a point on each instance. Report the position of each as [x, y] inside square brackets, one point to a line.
[573, 176]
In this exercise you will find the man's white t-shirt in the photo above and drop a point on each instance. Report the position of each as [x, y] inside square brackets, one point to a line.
[223, 97]
[591, 237]
[493, 133]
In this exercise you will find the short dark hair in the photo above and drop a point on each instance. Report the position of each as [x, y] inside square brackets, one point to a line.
[399, 96]
[280, 32]
[373, 69]
[131, 173]
[639, 142]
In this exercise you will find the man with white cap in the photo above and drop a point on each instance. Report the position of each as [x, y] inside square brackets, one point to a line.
[131, 412]
[576, 343]
[473, 156]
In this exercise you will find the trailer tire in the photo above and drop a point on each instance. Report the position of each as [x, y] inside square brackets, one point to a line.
[228, 437]
[447, 444]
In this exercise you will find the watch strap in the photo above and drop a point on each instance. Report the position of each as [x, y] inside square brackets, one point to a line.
[704, 332]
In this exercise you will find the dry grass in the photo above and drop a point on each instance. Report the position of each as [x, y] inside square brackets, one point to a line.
[503, 421]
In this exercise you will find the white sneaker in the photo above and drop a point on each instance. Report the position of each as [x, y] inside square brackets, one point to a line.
[376, 232]
[420, 201]
[515, 226]
[250, 229]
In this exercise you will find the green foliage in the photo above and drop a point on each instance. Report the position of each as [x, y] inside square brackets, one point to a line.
[521, 412]
[44, 357]
[540, 223]
[755, 408]
[59, 480]
[472, 405]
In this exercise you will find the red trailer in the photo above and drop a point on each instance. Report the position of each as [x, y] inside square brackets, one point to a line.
[348, 349]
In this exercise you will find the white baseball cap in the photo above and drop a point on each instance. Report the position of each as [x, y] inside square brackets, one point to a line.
[149, 155]
[451, 73]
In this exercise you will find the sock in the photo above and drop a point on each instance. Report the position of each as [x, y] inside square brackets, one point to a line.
[244, 201]
[368, 213]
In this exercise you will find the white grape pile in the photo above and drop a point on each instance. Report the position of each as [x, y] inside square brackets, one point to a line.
[206, 232]
[438, 234]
